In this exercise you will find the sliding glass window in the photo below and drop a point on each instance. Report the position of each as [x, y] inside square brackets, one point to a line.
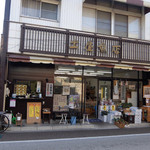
[104, 22]
[121, 25]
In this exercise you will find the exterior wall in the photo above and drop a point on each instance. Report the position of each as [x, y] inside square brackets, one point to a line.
[71, 14]
[147, 26]
[70, 17]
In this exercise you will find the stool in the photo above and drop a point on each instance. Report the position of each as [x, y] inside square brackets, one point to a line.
[85, 118]
[63, 119]
[46, 112]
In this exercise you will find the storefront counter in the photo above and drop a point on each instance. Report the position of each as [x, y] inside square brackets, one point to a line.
[21, 105]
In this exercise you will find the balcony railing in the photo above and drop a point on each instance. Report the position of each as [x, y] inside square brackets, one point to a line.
[82, 44]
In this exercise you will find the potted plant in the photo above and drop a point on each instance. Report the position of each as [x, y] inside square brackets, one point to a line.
[126, 107]
[119, 122]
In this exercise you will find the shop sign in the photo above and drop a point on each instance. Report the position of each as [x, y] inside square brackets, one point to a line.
[49, 89]
[89, 47]
[102, 48]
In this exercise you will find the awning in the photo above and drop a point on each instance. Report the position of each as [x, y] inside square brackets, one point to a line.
[69, 61]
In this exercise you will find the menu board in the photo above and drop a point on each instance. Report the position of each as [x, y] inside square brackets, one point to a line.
[59, 102]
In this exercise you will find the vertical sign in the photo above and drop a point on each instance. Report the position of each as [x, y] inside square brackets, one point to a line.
[49, 89]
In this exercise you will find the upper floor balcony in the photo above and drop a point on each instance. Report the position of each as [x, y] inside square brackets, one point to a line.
[71, 43]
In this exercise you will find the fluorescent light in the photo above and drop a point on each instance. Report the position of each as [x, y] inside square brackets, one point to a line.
[104, 72]
[89, 71]
[66, 69]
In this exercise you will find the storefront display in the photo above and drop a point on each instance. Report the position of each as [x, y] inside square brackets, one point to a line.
[67, 93]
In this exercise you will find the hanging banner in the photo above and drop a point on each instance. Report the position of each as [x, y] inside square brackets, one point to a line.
[37, 110]
[31, 110]
[49, 89]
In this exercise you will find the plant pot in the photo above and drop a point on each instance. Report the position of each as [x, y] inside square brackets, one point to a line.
[120, 125]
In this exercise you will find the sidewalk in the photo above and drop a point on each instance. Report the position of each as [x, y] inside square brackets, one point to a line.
[55, 126]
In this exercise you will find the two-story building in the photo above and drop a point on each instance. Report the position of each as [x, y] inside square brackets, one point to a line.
[74, 52]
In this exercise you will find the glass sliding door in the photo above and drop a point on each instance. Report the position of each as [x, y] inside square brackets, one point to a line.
[91, 97]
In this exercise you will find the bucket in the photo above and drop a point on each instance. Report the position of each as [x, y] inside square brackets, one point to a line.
[73, 120]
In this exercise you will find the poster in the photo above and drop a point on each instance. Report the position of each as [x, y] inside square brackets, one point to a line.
[115, 96]
[31, 110]
[59, 102]
[12, 103]
[74, 101]
[66, 90]
[132, 87]
[38, 87]
[37, 111]
[49, 89]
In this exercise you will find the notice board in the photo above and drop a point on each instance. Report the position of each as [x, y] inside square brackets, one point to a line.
[33, 112]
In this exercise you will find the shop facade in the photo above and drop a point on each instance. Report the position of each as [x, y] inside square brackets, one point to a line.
[77, 87]
[68, 61]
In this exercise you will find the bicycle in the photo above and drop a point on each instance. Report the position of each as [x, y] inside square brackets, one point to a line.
[4, 122]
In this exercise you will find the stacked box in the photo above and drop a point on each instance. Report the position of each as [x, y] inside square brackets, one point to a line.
[103, 118]
[116, 113]
[110, 118]
[138, 114]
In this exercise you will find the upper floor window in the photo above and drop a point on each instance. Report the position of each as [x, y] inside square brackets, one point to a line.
[127, 26]
[121, 25]
[39, 9]
[104, 22]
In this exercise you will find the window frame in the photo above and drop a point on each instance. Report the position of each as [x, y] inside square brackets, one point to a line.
[113, 13]
[40, 11]
[127, 26]
[97, 21]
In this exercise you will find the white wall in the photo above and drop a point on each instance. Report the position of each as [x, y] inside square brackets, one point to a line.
[147, 26]
[71, 18]
[71, 14]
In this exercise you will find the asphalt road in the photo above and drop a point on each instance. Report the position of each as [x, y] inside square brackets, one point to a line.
[116, 139]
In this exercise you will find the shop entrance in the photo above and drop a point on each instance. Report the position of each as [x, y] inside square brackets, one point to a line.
[91, 97]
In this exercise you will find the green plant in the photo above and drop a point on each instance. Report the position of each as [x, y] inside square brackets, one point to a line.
[126, 105]
[104, 113]
[119, 120]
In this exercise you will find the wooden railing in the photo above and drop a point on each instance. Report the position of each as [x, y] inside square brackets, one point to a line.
[82, 44]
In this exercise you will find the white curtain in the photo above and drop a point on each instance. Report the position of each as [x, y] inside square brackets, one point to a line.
[31, 8]
[88, 20]
[121, 25]
[134, 27]
[104, 22]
